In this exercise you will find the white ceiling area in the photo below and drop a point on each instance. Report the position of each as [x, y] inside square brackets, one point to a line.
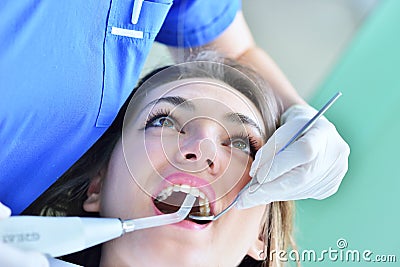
[305, 37]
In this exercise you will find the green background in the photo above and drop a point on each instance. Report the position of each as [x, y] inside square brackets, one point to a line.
[365, 210]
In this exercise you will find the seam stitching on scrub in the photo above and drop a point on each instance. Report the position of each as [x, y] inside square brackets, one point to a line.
[104, 64]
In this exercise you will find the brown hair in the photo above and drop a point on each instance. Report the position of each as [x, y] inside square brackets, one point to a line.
[66, 196]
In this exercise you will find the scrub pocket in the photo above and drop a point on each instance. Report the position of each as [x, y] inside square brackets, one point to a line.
[125, 49]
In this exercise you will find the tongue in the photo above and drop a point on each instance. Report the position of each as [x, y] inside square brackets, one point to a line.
[174, 202]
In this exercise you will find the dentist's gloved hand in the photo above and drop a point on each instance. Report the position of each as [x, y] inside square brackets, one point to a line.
[311, 167]
[13, 257]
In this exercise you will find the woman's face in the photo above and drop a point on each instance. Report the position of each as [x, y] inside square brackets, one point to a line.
[192, 135]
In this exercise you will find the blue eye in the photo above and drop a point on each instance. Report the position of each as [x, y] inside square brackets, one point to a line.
[163, 122]
[160, 121]
[244, 143]
[240, 144]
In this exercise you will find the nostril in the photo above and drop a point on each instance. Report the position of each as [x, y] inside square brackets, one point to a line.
[190, 156]
[210, 163]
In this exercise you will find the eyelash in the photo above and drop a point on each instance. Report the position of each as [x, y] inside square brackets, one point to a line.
[156, 115]
[241, 136]
[249, 140]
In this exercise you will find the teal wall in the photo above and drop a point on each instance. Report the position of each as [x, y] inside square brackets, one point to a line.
[365, 211]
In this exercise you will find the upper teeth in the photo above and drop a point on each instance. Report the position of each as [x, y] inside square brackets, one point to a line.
[203, 200]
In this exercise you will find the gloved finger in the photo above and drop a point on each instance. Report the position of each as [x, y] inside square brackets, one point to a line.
[281, 189]
[265, 155]
[335, 179]
[5, 211]
[59, 263]
[298, 111]
[296, 185]
[13, 257]
[280, 138]
[293, 185]
[250, 198]
[301, 152]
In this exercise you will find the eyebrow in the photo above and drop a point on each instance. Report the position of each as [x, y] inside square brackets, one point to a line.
[234, 117]
[173, 100]
[240, 118]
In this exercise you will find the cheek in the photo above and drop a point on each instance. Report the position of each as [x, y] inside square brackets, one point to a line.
[240, 164]
[155, 151]
[160, 155]
[235, 174]
[122, 191]
[132, 176]
[144, 158]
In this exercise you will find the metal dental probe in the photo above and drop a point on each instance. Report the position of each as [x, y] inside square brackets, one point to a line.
[57, 236]
[297, 135]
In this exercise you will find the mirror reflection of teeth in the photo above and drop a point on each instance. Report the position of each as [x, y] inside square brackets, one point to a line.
[204, 204]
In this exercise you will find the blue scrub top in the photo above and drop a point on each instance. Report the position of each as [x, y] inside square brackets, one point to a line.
[66, 67]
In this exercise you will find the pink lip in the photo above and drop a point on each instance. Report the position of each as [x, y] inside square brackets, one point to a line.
[193, 181]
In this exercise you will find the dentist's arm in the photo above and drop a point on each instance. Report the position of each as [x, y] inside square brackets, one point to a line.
[314, 165]
[237, 42]
[12, 257]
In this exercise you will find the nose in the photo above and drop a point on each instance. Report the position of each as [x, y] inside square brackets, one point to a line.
[199, 151]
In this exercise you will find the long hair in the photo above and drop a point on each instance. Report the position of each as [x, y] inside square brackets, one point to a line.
[66, 196]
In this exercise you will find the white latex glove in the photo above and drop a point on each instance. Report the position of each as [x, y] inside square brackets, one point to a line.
[311, 167]
[13, 257]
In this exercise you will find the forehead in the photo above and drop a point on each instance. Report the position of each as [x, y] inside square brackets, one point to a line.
[209, 94]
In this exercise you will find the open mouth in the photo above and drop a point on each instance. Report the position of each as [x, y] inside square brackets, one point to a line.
[171, 198]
